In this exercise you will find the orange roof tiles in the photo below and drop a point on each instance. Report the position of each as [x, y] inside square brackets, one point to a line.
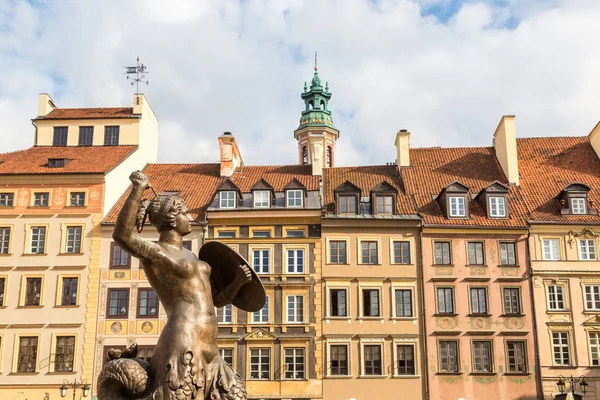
[548, 165]
[90, 113]
[432, 169]
[276, 175]
[84, 160]
[366, 178]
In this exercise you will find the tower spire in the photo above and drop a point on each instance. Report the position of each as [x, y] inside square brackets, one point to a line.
[316, 68]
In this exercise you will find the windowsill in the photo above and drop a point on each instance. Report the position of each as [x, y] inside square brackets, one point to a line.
[407, 264]
[124, 267]
[294, 380]
[508, 265]
[24, 373]
[369, 264]
[406, 376]
[111, 317]
[40, 207]
[477, 265]
[449, 373]
[33, 254]
[517, 373]
[483, 373]
[566, 310]
[445, 315]
[512, 315]
[70, 254]
[61, 373]
[67, 306]
[5, 254]
[330, 263]
[338, 318]
[591, 312]
[442, 265]
[563, 367]
[404, 318]
[156, 316]
[479, 315]
[339, 376]
[372, 376]
[371, 318]
[40, 306]
[72, 206]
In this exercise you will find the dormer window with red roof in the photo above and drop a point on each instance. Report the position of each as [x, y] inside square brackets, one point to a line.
[227, 199]
[493, 199]
[57, 162]
[453, 200]
[573, 200]
[294, 194]
[497, 207]
[229, 194]
[383, 197]
[262, 194]
[346, 198]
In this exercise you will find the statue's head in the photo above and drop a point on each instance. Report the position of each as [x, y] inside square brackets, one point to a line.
[165, 213]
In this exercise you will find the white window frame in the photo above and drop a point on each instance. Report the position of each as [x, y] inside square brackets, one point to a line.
[591, 295]
[578, 205]
[222, 351]
[497, 206]
[261, 264]
[43, 242]
[71, 245]
[260, 365]
[455, 203]
[225, 198]
[226, 315]
[5, 236]
[550, 251]
[261, 198]
[294, 366]
[594, 348]
[290, 201]
[555, 293]
[295, 266]
[291, 309]
[565, 342]
[587, 250]
[262, 316]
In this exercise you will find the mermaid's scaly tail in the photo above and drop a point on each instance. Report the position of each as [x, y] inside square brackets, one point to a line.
[124, 379]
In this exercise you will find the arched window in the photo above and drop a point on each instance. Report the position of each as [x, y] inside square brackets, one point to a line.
[304, 155]
[310, 105]
[329, 157]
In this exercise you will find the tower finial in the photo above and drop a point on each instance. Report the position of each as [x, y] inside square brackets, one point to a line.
[316, 61]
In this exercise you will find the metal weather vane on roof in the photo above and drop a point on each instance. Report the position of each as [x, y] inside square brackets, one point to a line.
[137, 75]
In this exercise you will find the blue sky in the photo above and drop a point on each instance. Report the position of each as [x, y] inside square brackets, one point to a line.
[446, 70]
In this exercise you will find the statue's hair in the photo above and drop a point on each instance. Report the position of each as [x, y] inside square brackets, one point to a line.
[161, 211]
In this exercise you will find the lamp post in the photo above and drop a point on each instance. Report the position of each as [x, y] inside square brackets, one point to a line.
[85, 388]
[562, 384]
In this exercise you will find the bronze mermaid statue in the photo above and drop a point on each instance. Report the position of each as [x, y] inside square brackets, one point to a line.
[186, 363]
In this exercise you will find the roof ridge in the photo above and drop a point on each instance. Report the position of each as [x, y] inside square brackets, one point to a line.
[553, 137]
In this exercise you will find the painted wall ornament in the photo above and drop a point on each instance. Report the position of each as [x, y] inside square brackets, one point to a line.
[587, 233]
[186, 363]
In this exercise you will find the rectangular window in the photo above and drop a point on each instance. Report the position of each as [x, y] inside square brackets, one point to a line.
[512, 300]
[550, 249]
[146, 353]
[337, 252]
[60, 136]
[261, 234]
[294, 363]
[119, 258]
[371, 303]
[556, 298]
[64, 354]
[226, 234]
[482, 356]
[369, 252]
[295, 309]
[226, 354]
[225, 314]
[294, 198]
[86, 135]
[73, 244]
[508, 255]
[147, 303]
[479, 301]
[587, 249]
[41, 199]
[4, 240]
[262, 316]
[27, 358]
[405, 357]
[295, 261]
[578, 206]
[33, 291]
[6, 199]
[372, 355]
[111, 135]
[338, 359]
[2, 290]
[295, 233]
[347, 204]
[262, 198]
[260, 261]
[442, 253]
[595, 348]
[77, 199]
[401, 252]
[403, 302]
[592, 297]
[118, 303]
[516, 357]
[457, 206]
[385, 204]
[497, 207]
[448, 356]
[260, 363]
[445, 300]
[561, 348]
[69, 291]
[475, 250]
[338, 301]
[227, 199]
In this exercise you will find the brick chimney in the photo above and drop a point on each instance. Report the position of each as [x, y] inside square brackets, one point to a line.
[231, 157]
[45, 105]
[505, 144]
[402, 148]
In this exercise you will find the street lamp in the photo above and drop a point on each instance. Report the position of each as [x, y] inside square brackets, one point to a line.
[85, 388]
[562, 384]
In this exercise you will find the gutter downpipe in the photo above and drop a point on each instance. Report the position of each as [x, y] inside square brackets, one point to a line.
[538, 373]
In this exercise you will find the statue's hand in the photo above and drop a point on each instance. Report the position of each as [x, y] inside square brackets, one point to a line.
[139, 179]
[243, 274]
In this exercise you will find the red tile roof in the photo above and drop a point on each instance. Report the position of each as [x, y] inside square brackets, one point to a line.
[276, 175]
[548, 165]
[432, 169]
[84, 160]
[366, 178]
[90, 113]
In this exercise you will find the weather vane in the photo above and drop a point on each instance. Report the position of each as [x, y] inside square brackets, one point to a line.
[137, 75]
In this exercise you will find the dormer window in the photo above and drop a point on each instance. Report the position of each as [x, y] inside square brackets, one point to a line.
[497, 207]
[294, 198]
[262, 198]
[346, 204]
[493, 199]
[574, 200]
[457, 206]
[227, 199]
[384, 204]
[578, 205]
[57, 162]
[383, 198]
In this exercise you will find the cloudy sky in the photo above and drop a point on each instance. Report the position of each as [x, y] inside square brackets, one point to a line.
[446, 70]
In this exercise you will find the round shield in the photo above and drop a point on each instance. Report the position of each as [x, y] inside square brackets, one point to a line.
[224, 262]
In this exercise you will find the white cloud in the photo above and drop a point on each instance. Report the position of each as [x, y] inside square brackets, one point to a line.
[240, 66]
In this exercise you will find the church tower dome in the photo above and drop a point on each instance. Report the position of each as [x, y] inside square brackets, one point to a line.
[316, 134]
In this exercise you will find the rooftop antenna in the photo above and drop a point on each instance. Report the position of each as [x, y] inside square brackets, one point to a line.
[137, 75]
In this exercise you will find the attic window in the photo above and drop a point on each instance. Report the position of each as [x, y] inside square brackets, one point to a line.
[227, 199]
[262, 198]
[457, 206]
[574, 200]
[57, 162]
[497, 207]
[578, 205]
[453, 200]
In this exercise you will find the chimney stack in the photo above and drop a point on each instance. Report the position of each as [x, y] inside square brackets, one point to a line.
[231, 157]
[505, 144]
[402, 148]
[45, 105]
